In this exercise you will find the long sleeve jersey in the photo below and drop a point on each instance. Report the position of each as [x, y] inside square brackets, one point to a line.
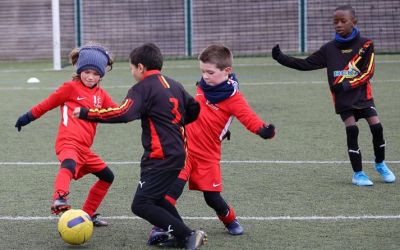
[206, 133]
[351, 64]
[164, 107]
[68, 96]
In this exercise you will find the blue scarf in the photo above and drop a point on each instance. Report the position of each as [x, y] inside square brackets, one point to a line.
[353, 35]
[220, 92]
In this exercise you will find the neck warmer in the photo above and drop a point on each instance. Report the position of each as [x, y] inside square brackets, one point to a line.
[220, 92]
[353, 35]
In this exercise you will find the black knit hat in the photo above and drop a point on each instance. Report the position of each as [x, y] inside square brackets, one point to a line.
[92, 57]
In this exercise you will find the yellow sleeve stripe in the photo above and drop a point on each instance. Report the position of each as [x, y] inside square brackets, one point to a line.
[164, 82]
[106, 110]
[368, 72]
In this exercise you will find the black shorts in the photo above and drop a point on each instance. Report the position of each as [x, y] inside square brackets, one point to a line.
[359, 113]
[155, 183]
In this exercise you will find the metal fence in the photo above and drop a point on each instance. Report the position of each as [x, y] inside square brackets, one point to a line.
[183, 27]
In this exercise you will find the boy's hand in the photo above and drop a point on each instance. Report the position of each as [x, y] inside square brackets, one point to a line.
[227, 136]
[276, 52]
[76, 112]
[341, 87]
[267, 132]
[23, 120]
[337, 88]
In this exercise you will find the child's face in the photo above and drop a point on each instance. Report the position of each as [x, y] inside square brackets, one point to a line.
[90, 77]
[344, 22]
[137, 72]
[212, 75]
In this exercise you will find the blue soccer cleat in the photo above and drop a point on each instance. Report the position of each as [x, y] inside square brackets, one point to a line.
[361, 179]
[385, 172]
[195, 240]
[234, 228]
[157, 236]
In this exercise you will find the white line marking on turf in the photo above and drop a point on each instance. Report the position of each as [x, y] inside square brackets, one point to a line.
[182, 66]
[223, 162]
[245, 218]
[191, 84]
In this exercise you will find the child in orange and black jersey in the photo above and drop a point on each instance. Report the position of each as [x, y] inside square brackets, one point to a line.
[75, 137]
[349, 60]
[164, 108]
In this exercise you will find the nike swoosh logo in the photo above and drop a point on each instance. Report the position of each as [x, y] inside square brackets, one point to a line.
[80, 98]
[216, 185]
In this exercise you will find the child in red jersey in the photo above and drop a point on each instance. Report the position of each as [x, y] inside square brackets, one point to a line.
[350, 63]
[220, 101]
[75, 137]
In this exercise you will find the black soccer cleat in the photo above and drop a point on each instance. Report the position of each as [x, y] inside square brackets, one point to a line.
[97, 222]
[60, 204]
[158, 237]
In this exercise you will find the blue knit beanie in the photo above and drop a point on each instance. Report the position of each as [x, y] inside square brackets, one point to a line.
[92, 57]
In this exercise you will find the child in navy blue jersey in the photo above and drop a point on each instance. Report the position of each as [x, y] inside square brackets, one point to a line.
[349, 60]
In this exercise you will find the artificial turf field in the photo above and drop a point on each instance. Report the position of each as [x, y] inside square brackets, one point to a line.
[292, 192]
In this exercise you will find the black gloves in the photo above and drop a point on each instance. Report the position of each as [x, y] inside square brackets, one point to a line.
[192, 112]
[267, 132]
[337, 88]
[276, 52]
[23, 120]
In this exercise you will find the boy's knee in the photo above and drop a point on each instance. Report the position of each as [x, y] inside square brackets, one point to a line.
[105, 175]
[69, 164]
[138, 207]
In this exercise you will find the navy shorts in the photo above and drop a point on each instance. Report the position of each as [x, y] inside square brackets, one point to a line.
[359, 113]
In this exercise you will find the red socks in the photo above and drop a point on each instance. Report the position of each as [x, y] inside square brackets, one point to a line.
[229, 217]
[62, 182]
[96, 195]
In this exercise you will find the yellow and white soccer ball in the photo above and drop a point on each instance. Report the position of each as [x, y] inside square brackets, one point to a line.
[75, 227]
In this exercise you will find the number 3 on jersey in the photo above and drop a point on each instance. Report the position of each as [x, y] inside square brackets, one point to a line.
[175, 110]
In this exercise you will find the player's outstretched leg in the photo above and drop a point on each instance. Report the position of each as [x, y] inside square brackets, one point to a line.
[60, 204]
[96, 195]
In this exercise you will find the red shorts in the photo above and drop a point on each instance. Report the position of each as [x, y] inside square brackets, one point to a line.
[86, 161]
[203, 175]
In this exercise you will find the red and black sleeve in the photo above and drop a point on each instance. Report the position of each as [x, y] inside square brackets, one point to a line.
[128, 110]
